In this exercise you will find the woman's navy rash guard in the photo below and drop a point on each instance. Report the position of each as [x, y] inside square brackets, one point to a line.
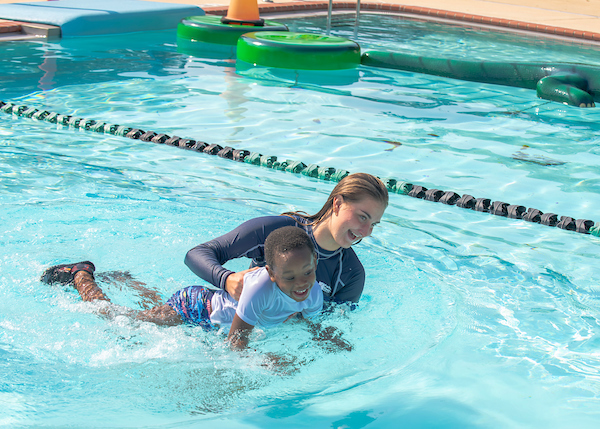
[340, 273]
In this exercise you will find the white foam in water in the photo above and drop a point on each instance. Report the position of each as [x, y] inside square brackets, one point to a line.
[468, 320]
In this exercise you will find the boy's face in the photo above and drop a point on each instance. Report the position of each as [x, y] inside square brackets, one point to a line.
[295, 272]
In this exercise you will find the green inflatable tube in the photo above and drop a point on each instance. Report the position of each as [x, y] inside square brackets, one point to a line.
[572, 84]
[298, 51]
[210, 29]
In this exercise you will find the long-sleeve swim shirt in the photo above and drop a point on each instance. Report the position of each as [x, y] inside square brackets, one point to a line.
[339, 273]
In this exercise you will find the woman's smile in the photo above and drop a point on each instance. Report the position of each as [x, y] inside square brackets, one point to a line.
[353, 221]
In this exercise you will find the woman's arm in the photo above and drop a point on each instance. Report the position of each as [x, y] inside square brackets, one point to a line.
[207, 259]
[329, 338]
[235, 283]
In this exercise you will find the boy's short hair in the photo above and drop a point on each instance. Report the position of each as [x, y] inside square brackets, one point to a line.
[283, 240]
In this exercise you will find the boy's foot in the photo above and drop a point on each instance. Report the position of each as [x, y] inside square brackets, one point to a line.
[65, 274]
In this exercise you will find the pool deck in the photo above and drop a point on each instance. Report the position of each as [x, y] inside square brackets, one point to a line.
[578, 19]
[569, 18]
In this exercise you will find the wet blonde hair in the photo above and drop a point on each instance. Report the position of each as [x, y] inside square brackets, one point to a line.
[352, 188]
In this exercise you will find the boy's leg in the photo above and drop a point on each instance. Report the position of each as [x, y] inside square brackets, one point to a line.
[90, 291]
[149, 297]
[87, 287]
[161, 315]
[81, 275]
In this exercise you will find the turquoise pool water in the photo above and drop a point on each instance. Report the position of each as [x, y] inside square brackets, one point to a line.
[468, 320]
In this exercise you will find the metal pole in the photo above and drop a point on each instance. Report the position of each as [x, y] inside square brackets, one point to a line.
[357, 18]
[329, 16]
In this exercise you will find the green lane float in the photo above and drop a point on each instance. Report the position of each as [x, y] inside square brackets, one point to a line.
[572, 84]
[210, 29]
[298, 51]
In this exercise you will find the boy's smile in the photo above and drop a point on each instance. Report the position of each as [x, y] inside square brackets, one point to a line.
[294, 272]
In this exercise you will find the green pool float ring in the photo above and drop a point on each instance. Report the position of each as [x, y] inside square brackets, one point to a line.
[210, 29]
[298, 51]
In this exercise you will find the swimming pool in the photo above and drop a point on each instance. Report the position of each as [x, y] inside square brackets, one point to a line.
[468, 320]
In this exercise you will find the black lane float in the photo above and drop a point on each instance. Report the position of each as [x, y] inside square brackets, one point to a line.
[498, 208]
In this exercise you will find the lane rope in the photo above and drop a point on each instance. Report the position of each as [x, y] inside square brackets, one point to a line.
[485, 205]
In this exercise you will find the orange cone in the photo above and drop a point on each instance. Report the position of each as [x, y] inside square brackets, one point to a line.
[243, 12]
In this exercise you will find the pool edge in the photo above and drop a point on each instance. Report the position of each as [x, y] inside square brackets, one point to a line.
[424, 12]
[11, 28]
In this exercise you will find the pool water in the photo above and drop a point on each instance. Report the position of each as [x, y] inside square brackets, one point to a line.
[468, 320]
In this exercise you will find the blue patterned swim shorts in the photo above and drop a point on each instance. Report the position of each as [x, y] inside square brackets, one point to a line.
[193, 305]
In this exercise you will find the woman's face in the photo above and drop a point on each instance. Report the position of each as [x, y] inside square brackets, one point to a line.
[352, 221]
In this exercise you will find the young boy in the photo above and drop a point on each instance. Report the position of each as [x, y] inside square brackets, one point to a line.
[285, 287]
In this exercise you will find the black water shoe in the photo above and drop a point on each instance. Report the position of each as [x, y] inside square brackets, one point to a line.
[65, 274]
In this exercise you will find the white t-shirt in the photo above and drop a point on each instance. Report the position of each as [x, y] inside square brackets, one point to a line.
[263, 303]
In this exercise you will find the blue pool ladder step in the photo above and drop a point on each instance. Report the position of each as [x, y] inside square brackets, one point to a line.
[92, 17]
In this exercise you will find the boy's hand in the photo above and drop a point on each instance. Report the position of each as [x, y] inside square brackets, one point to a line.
[239, 333]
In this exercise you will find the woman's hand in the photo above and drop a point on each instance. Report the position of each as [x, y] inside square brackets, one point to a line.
[235, 283]
[329, 337]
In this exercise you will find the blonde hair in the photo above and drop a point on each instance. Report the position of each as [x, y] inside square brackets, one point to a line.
[352, 188]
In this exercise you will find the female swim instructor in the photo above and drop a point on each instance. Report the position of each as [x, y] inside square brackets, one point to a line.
[353, 208]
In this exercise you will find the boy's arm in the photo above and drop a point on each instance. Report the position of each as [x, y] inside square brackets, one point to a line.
[206, 260]
[238, 340]
[239, 333]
